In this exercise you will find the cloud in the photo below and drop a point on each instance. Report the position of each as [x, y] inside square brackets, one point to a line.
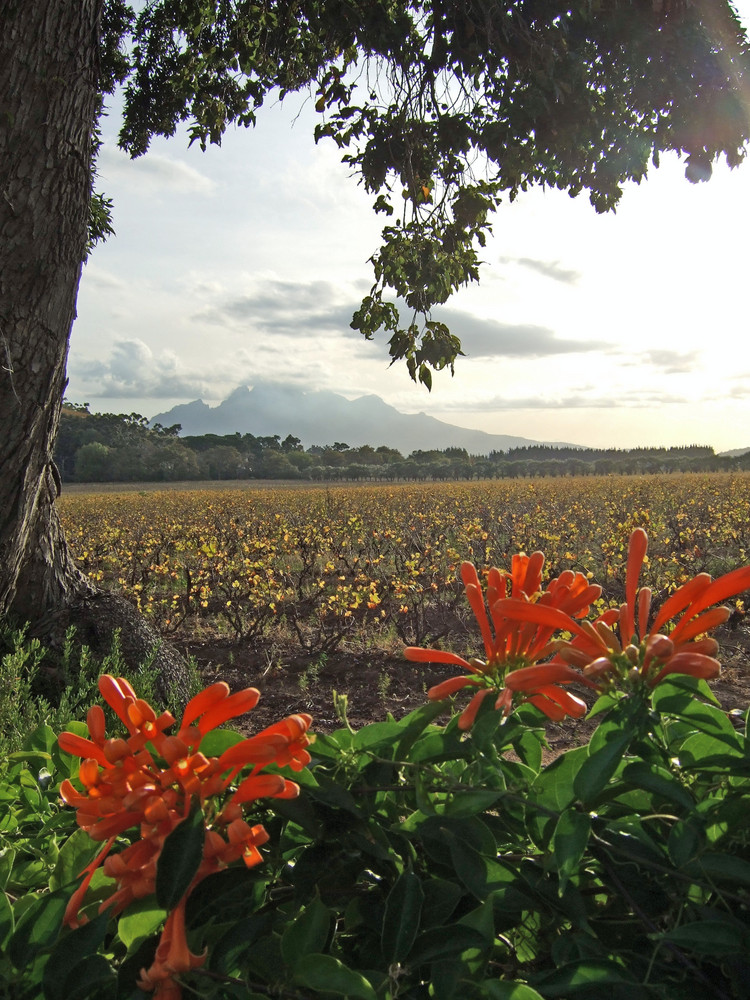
[134, 370]
[486, 338]
[293, 308]
[672, 362]
[547, 268]
[573, 401]
[153, 172]
[101, 278]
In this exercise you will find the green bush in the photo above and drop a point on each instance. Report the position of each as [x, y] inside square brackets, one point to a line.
[420, 861]
[38, 686]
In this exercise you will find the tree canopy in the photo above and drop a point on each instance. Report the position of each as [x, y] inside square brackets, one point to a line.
[445, 108]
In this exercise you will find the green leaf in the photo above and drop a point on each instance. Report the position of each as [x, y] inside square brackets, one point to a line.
[327, 974]
[580, 977]
[444, 978]
[180, 859]
[65, 962]
[217, 741]
[415, 724]
[711, 937]
[481, 920]
[709, 753]
[706, 718]
[38, 927]
[720, 868]
[377, 734]
[308, 933]
[553, 792]
[569, 842]
[441, 898]
[141, 919]
[434, 747]
[480, 875]
[7, 857]
[74, 855]
[333, 794]
[528, 746]
[93, 978]
[6, 920]
[684, 843]
[401, 921]
[228, 954]
[665, 785]
[471, 802]
[43, 739]
[445, 942]
[501, 989]
[605, 756]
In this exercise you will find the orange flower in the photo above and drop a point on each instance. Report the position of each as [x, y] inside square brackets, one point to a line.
[515, 641]
[639, 654]
[149, 780]
[172, 957]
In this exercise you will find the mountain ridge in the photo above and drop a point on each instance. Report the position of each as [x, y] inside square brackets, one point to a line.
[321, 417]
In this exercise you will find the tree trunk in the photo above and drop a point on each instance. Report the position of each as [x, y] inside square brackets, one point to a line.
[49, 99]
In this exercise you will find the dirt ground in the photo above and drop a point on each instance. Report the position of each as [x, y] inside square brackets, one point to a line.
[377, 684]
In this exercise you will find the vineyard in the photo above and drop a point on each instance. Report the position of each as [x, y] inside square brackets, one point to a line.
[261, 580]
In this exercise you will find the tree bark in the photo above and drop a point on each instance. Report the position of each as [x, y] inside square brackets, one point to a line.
[49, 100]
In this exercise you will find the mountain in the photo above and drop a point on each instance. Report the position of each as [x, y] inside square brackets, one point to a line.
[323, 417]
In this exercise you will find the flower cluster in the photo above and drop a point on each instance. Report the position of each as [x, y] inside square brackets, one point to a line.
[618, 649]
[641, 654]
[150, 780]
[514, 644]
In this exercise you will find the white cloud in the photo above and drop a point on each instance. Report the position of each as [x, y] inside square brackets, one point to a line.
[99, 277]
[153, 172]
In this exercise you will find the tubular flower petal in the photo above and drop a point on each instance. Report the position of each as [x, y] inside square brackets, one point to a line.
[636, 555]
[202, 701]
[517, 630]
[419, 655]
[446, 688]
[79, 746]
[542, 675]
[96, 724]
[118, 694]
[693, 664]
[469, 714]
[258, 786]
[172, 955]
[569, 703]
[553, 711]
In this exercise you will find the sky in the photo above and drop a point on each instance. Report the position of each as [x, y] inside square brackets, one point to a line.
[245, 263]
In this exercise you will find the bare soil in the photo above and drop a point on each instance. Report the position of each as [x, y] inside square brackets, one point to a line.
[377, 684]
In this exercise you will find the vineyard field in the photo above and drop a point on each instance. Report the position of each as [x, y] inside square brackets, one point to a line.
[282, 583]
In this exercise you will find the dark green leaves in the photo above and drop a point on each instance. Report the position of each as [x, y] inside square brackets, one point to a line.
[180, 859]
[403, 911]
[326, 974]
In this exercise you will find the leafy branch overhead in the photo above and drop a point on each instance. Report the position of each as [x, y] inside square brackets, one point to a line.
[444, 108]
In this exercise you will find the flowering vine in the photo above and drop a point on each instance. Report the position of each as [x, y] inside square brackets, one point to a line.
[152, 781]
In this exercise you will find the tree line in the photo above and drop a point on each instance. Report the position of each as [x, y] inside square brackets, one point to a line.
[107, 447]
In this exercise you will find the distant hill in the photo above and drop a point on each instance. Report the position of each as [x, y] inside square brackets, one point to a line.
[323, 417]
